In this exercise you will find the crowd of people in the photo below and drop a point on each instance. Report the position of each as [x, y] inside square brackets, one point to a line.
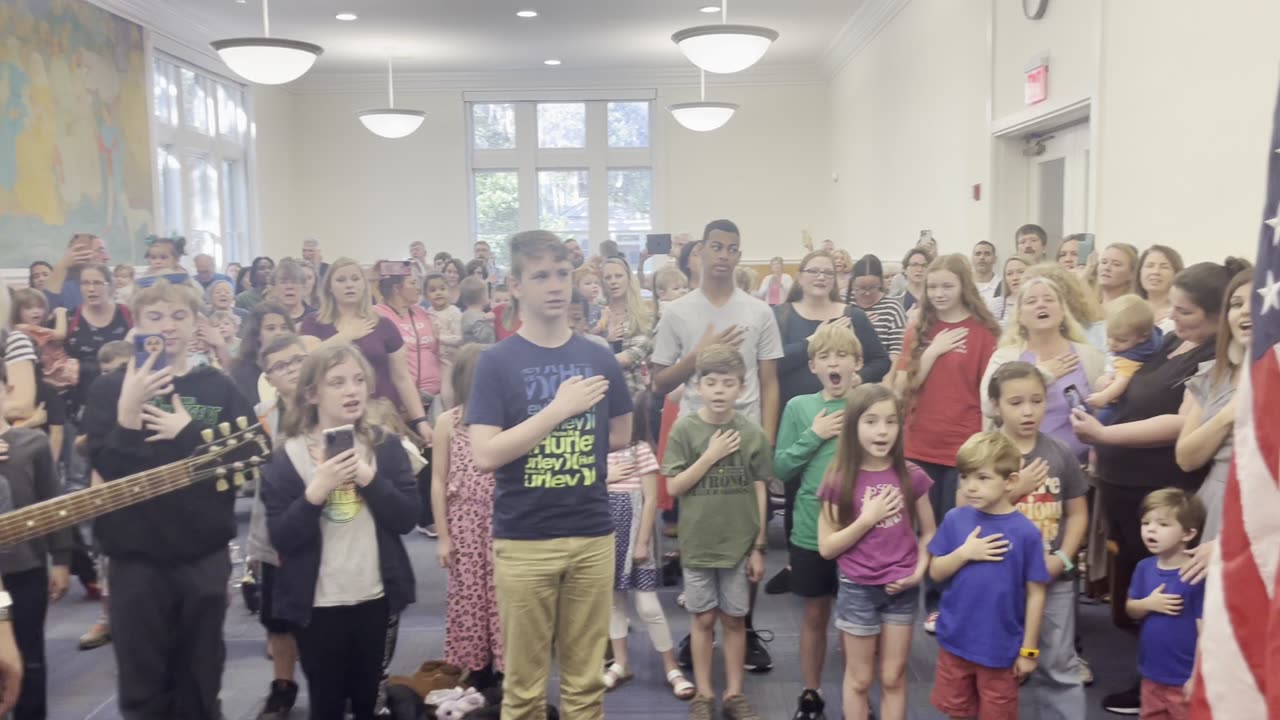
[956, 442]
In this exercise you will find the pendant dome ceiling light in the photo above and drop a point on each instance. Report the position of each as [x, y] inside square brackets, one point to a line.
[266, 60]
[703, 116]
[391, 122]
[724, 48]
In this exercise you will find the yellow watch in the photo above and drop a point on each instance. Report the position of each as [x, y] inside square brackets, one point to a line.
[1029, 653]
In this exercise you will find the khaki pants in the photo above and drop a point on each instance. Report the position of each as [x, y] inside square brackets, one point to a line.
[554, 594]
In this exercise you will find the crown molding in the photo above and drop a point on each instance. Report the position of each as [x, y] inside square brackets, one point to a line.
[867, 21]
[318, 83]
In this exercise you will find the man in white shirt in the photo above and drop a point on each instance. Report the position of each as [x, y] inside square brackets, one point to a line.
[984, 273]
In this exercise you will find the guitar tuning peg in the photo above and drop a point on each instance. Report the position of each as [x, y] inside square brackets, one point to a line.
[242, 422]
[224, 428]
[238, 479]
[221, 485]
[207, 435]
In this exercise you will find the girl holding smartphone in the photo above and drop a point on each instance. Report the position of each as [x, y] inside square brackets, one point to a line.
[336, 520]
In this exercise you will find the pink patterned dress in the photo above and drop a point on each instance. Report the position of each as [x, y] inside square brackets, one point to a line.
[473, 635]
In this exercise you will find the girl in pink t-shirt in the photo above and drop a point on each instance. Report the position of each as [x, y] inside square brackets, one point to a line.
[876, 521]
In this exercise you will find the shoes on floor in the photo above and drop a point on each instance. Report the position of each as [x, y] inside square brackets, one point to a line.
[98, 635]
[1126, 702]
[931, 622]
[810, 706]
[1086, 672]
[736, 707]
[429, 531]
[280, 700]
[780, 583]
[92, 591]
[702, 708]
[758, 659]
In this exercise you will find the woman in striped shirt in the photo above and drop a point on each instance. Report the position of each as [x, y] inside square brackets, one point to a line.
[866, 289]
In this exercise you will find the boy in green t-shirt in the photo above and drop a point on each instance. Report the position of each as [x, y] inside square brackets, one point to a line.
[718, 461]
[807, 442]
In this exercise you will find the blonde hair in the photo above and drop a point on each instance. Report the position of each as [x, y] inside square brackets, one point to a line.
[992, 450]
[164, 291]
[723, 359]
[328, 312]
[1131, 253]
[24, 298]
[667, 277]
[1129, 314]
[745, 278]
[1082, 304]
[834, 338]
[639, 319]
[1015, 334]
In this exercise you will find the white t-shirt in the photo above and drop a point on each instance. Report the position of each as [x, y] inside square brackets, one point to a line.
[350, 572]
[988, 289]
[685, 321]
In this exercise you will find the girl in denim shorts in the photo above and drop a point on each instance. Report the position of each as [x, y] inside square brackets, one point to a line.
[875, 522]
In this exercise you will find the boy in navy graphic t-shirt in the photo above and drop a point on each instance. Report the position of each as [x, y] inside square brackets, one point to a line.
[545, 409]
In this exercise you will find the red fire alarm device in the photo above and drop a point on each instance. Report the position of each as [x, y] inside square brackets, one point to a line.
[977, 192]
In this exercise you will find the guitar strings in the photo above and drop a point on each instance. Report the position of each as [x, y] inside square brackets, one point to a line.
[156, 481]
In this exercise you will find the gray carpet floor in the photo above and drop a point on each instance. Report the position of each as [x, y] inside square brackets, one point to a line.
[82, 684]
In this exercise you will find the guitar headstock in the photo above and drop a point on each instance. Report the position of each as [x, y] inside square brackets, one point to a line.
[231, 456]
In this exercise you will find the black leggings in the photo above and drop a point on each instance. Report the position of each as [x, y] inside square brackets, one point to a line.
[29, 590]
[1123, 508]
[342, 651]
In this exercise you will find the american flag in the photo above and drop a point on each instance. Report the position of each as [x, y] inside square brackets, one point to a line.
[1239, 673]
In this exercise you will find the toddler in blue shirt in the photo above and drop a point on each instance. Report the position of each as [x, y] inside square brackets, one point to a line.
[1168, 608]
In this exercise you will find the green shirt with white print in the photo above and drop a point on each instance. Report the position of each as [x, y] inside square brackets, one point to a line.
[804, 457]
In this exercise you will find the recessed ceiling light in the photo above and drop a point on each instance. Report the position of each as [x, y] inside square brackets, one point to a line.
[552, 61]
[709, 9]
[346, 16]
[527, 13]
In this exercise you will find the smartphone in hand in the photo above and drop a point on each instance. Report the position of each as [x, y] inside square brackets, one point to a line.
[1075, 399]
[147, 344]
[339, 440]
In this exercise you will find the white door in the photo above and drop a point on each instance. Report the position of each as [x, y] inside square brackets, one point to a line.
[1058, 183]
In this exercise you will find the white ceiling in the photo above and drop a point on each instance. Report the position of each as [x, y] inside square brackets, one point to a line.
[486, 36]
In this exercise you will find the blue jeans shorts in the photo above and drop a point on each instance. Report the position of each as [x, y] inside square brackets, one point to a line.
[862, 609]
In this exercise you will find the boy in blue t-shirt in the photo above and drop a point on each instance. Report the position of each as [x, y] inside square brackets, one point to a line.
[992, 559]
[1168, 608]
[545, 409]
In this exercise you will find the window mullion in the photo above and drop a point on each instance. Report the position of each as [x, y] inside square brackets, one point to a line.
[598, 171]
[527, 167]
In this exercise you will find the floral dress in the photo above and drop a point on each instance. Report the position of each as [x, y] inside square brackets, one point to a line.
[626, 503]
[473, 636]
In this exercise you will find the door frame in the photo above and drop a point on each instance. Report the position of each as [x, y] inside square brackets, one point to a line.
[1010, 191]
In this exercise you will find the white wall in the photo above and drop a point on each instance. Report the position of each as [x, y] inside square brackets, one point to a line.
[1066, 34]
[1186, 123]
[1181, 96]
[362, 195]
[909, 132]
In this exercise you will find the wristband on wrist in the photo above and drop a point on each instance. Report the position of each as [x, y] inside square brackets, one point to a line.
[1067, 565]
[1031, 653]
[417, 421]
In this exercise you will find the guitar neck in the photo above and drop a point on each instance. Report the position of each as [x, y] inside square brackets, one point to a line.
[37, 520]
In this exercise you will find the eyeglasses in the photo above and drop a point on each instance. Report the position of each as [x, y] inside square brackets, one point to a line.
[816, 273]
[286, 365]
[866, 289]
